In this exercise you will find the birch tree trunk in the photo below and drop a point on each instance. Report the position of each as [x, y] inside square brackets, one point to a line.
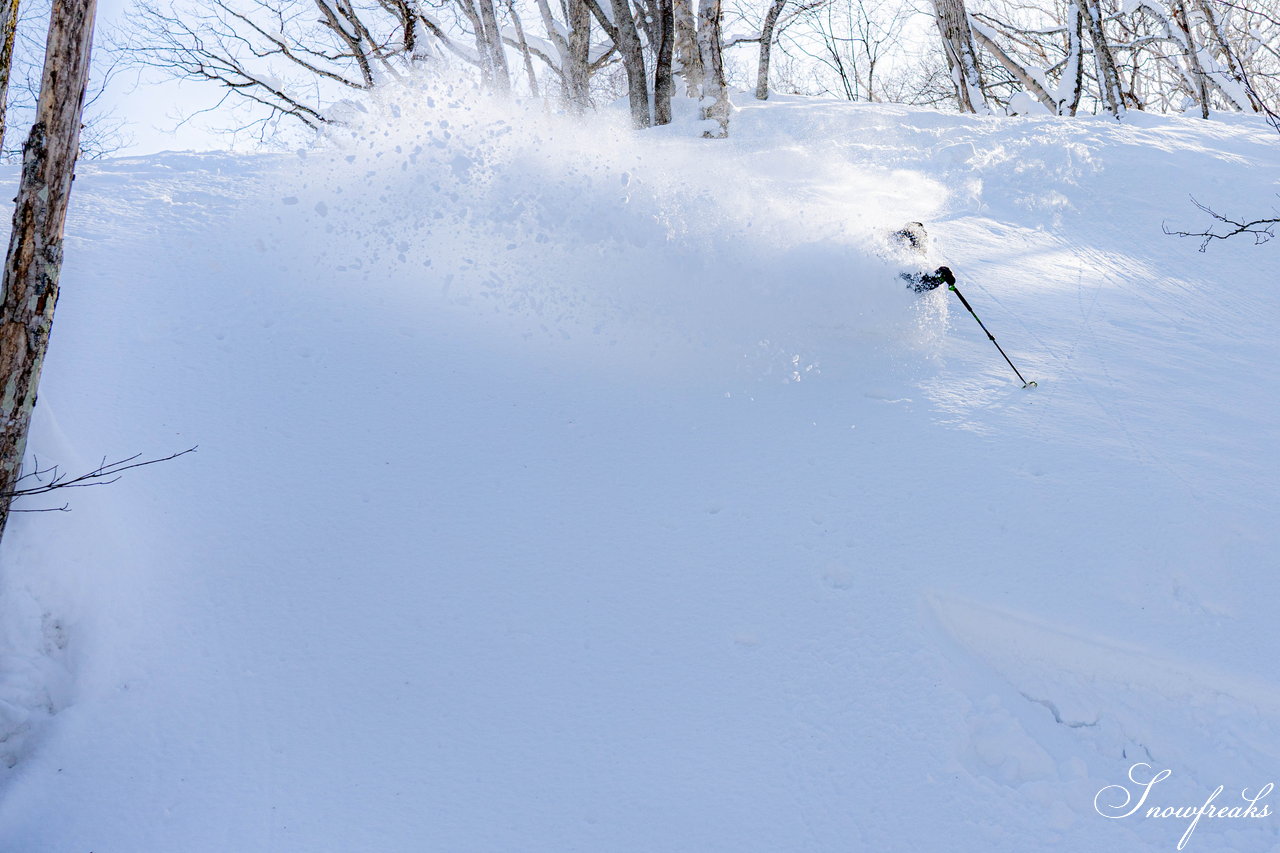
[483, 53]
[688, 60]
[1071, 89]
[577, 71]
[573, 47]
[627, 38]
[1234, 67]
[8, 28]
[766, 47]
[34, 263]
[962, 58]
[663, 79]
[497, 53]
[715, 95]
[1020, 73]
[1194, 69]
[524, 48]
[1104, 61]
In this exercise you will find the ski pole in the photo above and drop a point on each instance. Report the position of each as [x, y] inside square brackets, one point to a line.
[946, 275]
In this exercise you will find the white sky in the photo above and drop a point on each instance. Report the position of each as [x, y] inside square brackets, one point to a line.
[153, 109]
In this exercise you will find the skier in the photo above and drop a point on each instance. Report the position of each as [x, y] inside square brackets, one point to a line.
[915, 237]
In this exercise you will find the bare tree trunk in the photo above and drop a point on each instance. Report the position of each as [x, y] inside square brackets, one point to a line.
[30, 283]
[524, 48]
[483, 53]
[1072, 88]
[663, 80]
[1108, 78]
[715, 95]
[962, 58]
[646, 18]
[1194, 68]
[572, 44]
[577, 73]
[1234, 67]
[412, 43]
[627, 38]
[766, 47]
[1013, 67]
[8, 27]
[497, 53]
[688, 60]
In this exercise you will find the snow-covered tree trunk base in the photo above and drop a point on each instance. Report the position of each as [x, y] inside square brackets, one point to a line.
[716, 110]
[715, 96]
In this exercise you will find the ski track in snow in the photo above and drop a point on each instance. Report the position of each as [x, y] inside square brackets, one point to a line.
[563, 489]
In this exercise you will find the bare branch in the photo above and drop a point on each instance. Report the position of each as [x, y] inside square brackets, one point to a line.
[53, 478]
[1262, 230]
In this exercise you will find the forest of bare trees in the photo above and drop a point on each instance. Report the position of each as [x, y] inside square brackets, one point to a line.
[299, 63]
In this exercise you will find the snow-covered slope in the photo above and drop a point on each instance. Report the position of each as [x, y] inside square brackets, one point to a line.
[563, 489]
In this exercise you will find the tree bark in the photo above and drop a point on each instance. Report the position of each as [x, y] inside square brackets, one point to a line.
[483, 54]
[663, 80]
[577, 73]
[1234, 67]
[34, 263]
[1194, 68]
[497, 53]
[524, 48]
[572, 44]
[1072, 87]
[766, 47]
[627, 38]
[962, 58]
[1104, 61]
[715, 95]
[687, 58]
[8, 28]
[1015, 68]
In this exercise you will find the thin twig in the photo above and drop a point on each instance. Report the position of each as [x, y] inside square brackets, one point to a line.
[105, 474]
[1261, 229]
